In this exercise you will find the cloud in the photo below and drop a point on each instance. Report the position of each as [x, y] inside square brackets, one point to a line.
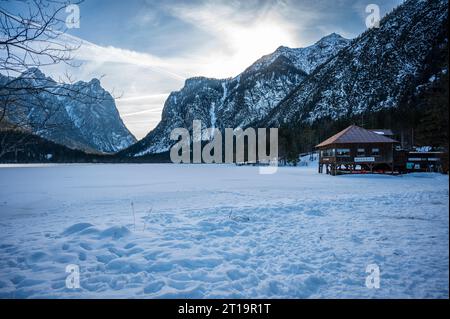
[242, 31]
[100, 54]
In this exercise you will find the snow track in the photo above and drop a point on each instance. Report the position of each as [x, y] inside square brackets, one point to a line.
[220, 231]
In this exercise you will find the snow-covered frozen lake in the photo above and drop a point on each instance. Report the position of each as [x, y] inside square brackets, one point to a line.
[220, 231]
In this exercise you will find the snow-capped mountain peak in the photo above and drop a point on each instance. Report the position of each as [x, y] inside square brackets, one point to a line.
[37, 77]
[83, 115]
[33, 73]
[307, 58]
[380, 69]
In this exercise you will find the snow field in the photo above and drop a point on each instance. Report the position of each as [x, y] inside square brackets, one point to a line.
[219, 231]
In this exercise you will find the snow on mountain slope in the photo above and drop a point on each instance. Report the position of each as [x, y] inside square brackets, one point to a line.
[97, 118]
[306, 59]
[80, 115]
[239, 101]
[379, 69]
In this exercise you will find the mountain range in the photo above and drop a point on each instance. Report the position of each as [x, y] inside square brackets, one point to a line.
[377, 70]
[335, 78]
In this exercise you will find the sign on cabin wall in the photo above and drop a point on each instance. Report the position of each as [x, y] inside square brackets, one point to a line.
[364, 159]
[416, 159]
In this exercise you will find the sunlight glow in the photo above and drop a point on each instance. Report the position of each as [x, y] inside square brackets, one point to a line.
[247, 44]
[252, 43]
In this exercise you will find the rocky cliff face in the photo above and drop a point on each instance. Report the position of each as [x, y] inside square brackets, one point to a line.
[80, 115]
[376, 71]
[239, 101]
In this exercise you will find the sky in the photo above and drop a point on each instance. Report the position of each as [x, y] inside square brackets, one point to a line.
[144, 49]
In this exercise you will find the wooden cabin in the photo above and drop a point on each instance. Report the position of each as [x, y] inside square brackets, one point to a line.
[421, 161]
[357, 150]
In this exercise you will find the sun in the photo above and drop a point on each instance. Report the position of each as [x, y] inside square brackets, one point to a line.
[251, 43]
[242, 45]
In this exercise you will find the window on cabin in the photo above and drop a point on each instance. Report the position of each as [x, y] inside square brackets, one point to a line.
[328, 152]
[361, 152]
[375, 152]
[343, 152]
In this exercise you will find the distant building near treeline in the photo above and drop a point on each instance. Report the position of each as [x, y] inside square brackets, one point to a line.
[359, 150]
[384, 132]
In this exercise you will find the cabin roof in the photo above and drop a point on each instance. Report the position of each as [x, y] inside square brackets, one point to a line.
[356, 134]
